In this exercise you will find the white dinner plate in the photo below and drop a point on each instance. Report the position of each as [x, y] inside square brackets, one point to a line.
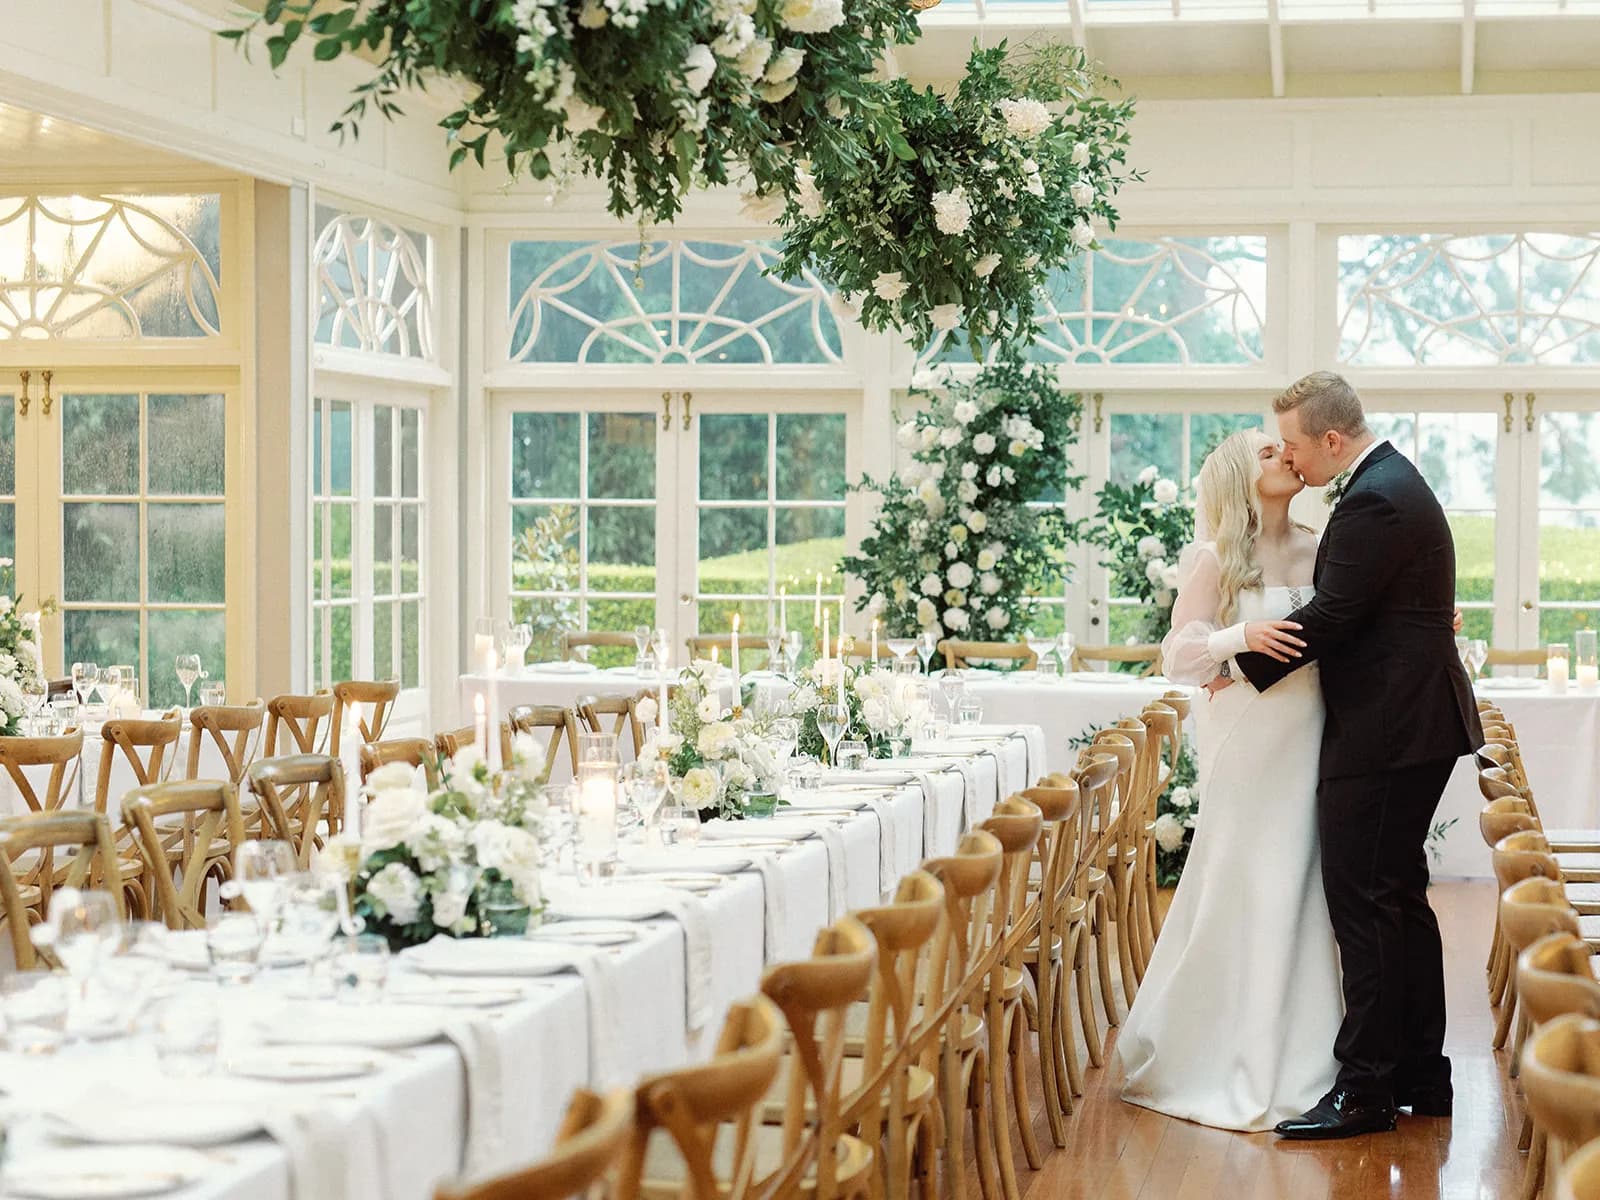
[105, 1173]
[486, 956]
[587, 933]
[1511, 683]
[441, 993]
[304, 1064]
[829, 801]
[145, 1120]
[1111, 677]
[187, 951]
[572, 667]
[619, 900]
[641, 861]
[375, 1027]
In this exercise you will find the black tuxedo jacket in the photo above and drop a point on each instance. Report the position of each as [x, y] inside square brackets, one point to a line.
[1395, 690]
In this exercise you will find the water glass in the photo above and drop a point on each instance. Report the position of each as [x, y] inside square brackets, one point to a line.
[110, 685]
[34, 1004]
[647, 784]
[213, 691]
[953, 683]
[680, 824]
[970, 712]
[927, 643]
[63, 712]
[233, 941]
[35, 691]
[187, 1030]
[360, 964]
[851, 755]
[85, 678]
[260, 869]
[1048, 668]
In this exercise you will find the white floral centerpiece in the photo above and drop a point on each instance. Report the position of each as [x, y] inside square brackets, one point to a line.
[719, 760]
[884, 707]
[21, 660]
[462, 861]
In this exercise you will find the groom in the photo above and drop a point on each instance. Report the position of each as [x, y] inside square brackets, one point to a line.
[1400, 711]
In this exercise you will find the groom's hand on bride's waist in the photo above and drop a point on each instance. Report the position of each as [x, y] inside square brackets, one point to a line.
[1275, 639]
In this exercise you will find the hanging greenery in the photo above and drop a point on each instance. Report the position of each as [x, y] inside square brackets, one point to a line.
[957, 547]
[1007, 179]
[650, 97]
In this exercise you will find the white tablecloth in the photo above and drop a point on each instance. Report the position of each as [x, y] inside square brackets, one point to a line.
[395, 1134]
[1560, 741]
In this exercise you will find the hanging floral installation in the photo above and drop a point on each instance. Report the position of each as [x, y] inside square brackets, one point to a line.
[1007, 179]
[652, 99]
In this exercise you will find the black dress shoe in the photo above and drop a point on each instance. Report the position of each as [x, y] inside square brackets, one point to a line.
[1340, 1114]
[1426, 1101]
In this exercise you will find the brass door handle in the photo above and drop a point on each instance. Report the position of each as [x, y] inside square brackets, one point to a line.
[666, 410]
[47, 398]
[1529, 398]
[22, 400]
[1527, 606]
[688, 399]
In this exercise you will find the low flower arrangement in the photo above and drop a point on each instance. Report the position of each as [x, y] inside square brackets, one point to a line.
[21, 660]
[1143, 526]
[650, 97]
[957, 548]
[462, 861]
[1006, 179]
[884, 707]
[718, 760]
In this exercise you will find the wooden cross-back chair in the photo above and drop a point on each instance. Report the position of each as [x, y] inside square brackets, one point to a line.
[710, 1114]
[369, 702]
[1499, 656]
[413, 751]
[450, 742]
[591, 1141]
[62, 754]
[958, 653]
[1529, 910]
[530, 719]
[1133, 831]
[295, 724]
[1108, 876]
[1579, 1177]
[234, 729]
[1561, 1080]
[624, 714]
[1096, 777]
[1053, 952]
[144, 746]
[30, 871]
[187, 829]
[301, 796]
[1147, 653]
[577, 644]
[1555, 975]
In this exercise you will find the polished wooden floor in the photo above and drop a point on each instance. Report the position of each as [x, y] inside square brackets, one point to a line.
[1118, 1152]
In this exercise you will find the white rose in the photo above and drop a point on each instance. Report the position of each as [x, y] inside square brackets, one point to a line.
[812, 16]
[950, 438]
[785, 64]
[958, 534]
[986, 559]
[966, 491]
[1149, 475]
[959, 575]
[977, 522]
[393, 777]
[984, 443]
[928, 493]
[990, 583]
[951, 550]
[906, 435]
[646, 711]
[1082, 193]
[501, 847]
[752, 60]
[435, 841]
[997, 549]
[1150, 546]
[1181, 797]
[1082, 235]
[698, 787]
[1017, 447]
[1166, 492]
[945, 316]
[397, 892]
[714, 740]
[997, 618]
[965, 412]
[699, 65]
[389, 817]
[1154, 569]
[889, 285]
[709, 708]
[952, 211]
[994, 476]
[930, 436]
[593, 14]
[956, 619]
[930, 585]
[985, 266]
[765, 209]
[1080, 154]
[1025, 118]
[927, 612]
[1169, 832]
[969, 470]
[1169, 578]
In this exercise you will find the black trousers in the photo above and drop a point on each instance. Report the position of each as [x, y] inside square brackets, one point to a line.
[1374, 831]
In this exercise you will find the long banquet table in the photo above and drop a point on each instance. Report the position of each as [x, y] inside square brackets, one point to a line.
[421, 1116]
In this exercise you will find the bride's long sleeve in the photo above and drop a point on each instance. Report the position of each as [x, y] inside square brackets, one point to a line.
[1196, 647]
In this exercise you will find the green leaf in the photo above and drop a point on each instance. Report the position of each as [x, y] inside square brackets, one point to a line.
[277, 50]
[272, 11]
[328, 49]
[683, 151]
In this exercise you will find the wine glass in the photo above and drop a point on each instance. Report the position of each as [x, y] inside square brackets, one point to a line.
[833, 718]
[1066, 647]
[85, 677]
[35, 691]
[901, 647]
[642, 636]
[774, 648]
[647, 784]
[1041, 644]
[109, 684]
[927, 643]
[233, 943]
[84, 927]
[1477, 655]
[1463, 647]
[791, 648]
[260, 869]
[188, 672]
[953, 683]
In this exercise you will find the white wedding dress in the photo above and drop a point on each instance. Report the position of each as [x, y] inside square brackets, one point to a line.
[1234, 1023]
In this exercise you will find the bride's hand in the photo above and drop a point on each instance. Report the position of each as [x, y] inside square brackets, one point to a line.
[1274, 639]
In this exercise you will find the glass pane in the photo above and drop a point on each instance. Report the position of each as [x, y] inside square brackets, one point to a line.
[1478, 623]
[410, 452]
[187, 436]
[733, 550]
[622, 456]
[8, 530]
[733, 456]
[1456, 453]
[1569, 458]
[544, 455]
[340, 449]
[319, 631]
[100, 445]
[100, 552]
[810, 540]
[177, 631]
[100, 636]
[319, 477]
[8, 446]
[410, 549]
[382, 550]
[811, 456]
[411, 643]
[186, 564]
[340, 579]
[622, 550]
[341, 662]
[1140, 440]
[618, 614]
[372, 292]
[319, 575]
[1569, 555]
[1399, 428]
[1474, 537]
[1559, 624]
[544, 549]
[1209, 430]
[382, 641]
[382, 450]
[548, 617]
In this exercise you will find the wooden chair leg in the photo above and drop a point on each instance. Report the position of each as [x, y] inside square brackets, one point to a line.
[1068, 1065]
[1499, 972]
[1056, 1104]
[1125, 935]
[1533, 1174]
[995, 1099]
[1019, 1087]
[1102, 943]
[1086, 1017]
[955, 1109]
[1524, 1027]
[989, 1180]
[1502, 1028]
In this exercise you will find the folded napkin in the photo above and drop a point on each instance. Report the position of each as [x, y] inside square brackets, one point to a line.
[484, 956]
[833, 843]
[483, 1143]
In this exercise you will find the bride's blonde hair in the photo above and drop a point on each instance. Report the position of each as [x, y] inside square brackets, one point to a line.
[1231, 509]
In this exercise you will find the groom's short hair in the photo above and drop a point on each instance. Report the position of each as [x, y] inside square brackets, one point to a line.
[1325, 401]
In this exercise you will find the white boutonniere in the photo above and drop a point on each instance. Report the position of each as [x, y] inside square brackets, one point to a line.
[1335, 490]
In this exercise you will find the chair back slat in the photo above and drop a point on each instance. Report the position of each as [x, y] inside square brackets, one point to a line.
[63, 754]
[143, 745]
[623, 711]
[530, 719]
[300, 721]
[590, 1143]
[413, 751]
[194, 849]
[29, 873]
[234, 729]
[958, 652]
[301, 795]
[1149, 654]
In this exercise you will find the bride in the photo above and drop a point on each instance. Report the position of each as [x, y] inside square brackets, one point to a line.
[1234, 1023]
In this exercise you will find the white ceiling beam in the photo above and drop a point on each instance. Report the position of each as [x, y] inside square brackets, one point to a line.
[1469, 44]
[1275, 45]
[1075, 9]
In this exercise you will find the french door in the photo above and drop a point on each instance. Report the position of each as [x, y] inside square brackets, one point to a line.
[1558, 565]
[673, 508]
[115, 501]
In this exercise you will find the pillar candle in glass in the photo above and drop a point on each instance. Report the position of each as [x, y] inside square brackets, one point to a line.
[596, 845]
[1555, 657]
[480, 726]
[1587, 661]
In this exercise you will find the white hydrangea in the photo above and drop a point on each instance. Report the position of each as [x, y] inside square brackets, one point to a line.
[752, 60]
[1153, 571]
[397, 892]
[1150, 546]
[977, 522]
[930, 585]
[945, 316]
[986, 265]
[1169, 832]
[997, 618]
[927, 612]
[984, 443]
[952, 211]
[956, 619]
[1082, 193]
[785, 65]
[1025, 118]
[889, 285]
[986, 559]
[1181, 797]
[965, 412]
[699, 65]
[715, 739]
[737, 35]
[774, 92]
[812, 16]
[959, 575]
[1166, 492]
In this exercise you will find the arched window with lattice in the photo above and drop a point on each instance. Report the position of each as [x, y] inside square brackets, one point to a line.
[373, 286]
